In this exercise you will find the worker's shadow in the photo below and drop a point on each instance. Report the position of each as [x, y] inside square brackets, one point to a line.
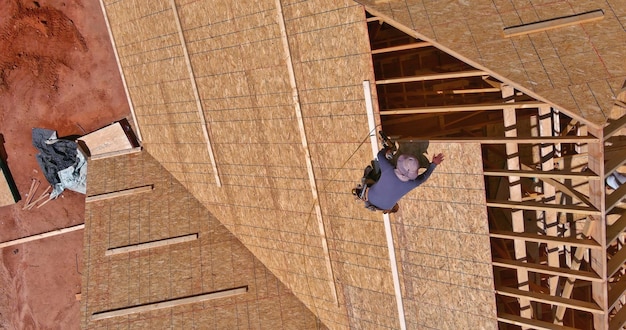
[3, 152]
[418, 149]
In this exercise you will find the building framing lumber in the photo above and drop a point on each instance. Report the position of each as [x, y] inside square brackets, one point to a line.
[537, 238]
[169, 303]
[386, 220]
[551, 300]
[618, 159]
[568, 287]
[461, 108]
[616, 229]
[504, 140]
[618, 321]
[538, 206]
[616, 262]
[414, 45]
[436, 76]
[530, 323]
[543, 174]
[119, 193]
[614, 127]
[196, 94]
[515, 194]
[151, 244]
[553, 23]
[544, 269]
[616, 291]
[615, 197]
[115, 153]
[42, 235]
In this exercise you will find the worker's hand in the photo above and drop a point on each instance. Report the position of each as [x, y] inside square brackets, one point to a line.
[438, 159]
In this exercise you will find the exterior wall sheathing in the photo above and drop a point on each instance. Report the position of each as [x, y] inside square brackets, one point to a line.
[215, 261]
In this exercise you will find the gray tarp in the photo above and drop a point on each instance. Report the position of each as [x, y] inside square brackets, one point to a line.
[61, 162]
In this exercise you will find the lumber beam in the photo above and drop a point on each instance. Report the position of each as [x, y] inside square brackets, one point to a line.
[617, 159]
[42, 235]
[401, 47]
[580, 305]
[436, 76]
[115, 153]
[462, 108]
[515, 194]
[504, 140]
[538, 206]
[530, 323]
[537, 238]
[553, 23]
[543, 174]
[614, 127]
[616, 262]
[614, 230]
[119, 193]
[618, 320]
[151, 244]
[169, 303]
[544, 269]
[616, 291]
[615, 197]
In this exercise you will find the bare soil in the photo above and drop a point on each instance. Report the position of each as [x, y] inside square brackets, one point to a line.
[57, 71]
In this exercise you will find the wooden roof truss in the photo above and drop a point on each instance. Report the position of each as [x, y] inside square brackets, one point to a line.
[557, 230]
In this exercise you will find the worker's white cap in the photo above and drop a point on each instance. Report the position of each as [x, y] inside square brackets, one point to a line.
[406, 168]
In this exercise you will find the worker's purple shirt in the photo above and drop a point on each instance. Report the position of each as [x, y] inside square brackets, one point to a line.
[388, 190]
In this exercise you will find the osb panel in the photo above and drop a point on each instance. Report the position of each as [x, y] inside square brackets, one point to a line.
[547, 65]
[443, 245]
[216, 261]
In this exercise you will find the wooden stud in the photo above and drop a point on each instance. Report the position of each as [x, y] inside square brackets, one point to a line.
[614, 127]
[402, 47]
[42, 235]
[553, 23]
[120, 193]
[614, 230]
[616, 262]
[530, 323]
[151, 245]
[461, 108]
[544, 174]
[436, 76]
[616, 291]
[116, 153]
[504, 140]
[545, 269]
[542, 207]
[532, 237]
[580, 305]
[619, 320]
[169, 303]
[614, 198]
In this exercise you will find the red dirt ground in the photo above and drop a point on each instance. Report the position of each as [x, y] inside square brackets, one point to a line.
[57, 71]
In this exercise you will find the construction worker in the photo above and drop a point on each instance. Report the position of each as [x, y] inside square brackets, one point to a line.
[395, 182]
